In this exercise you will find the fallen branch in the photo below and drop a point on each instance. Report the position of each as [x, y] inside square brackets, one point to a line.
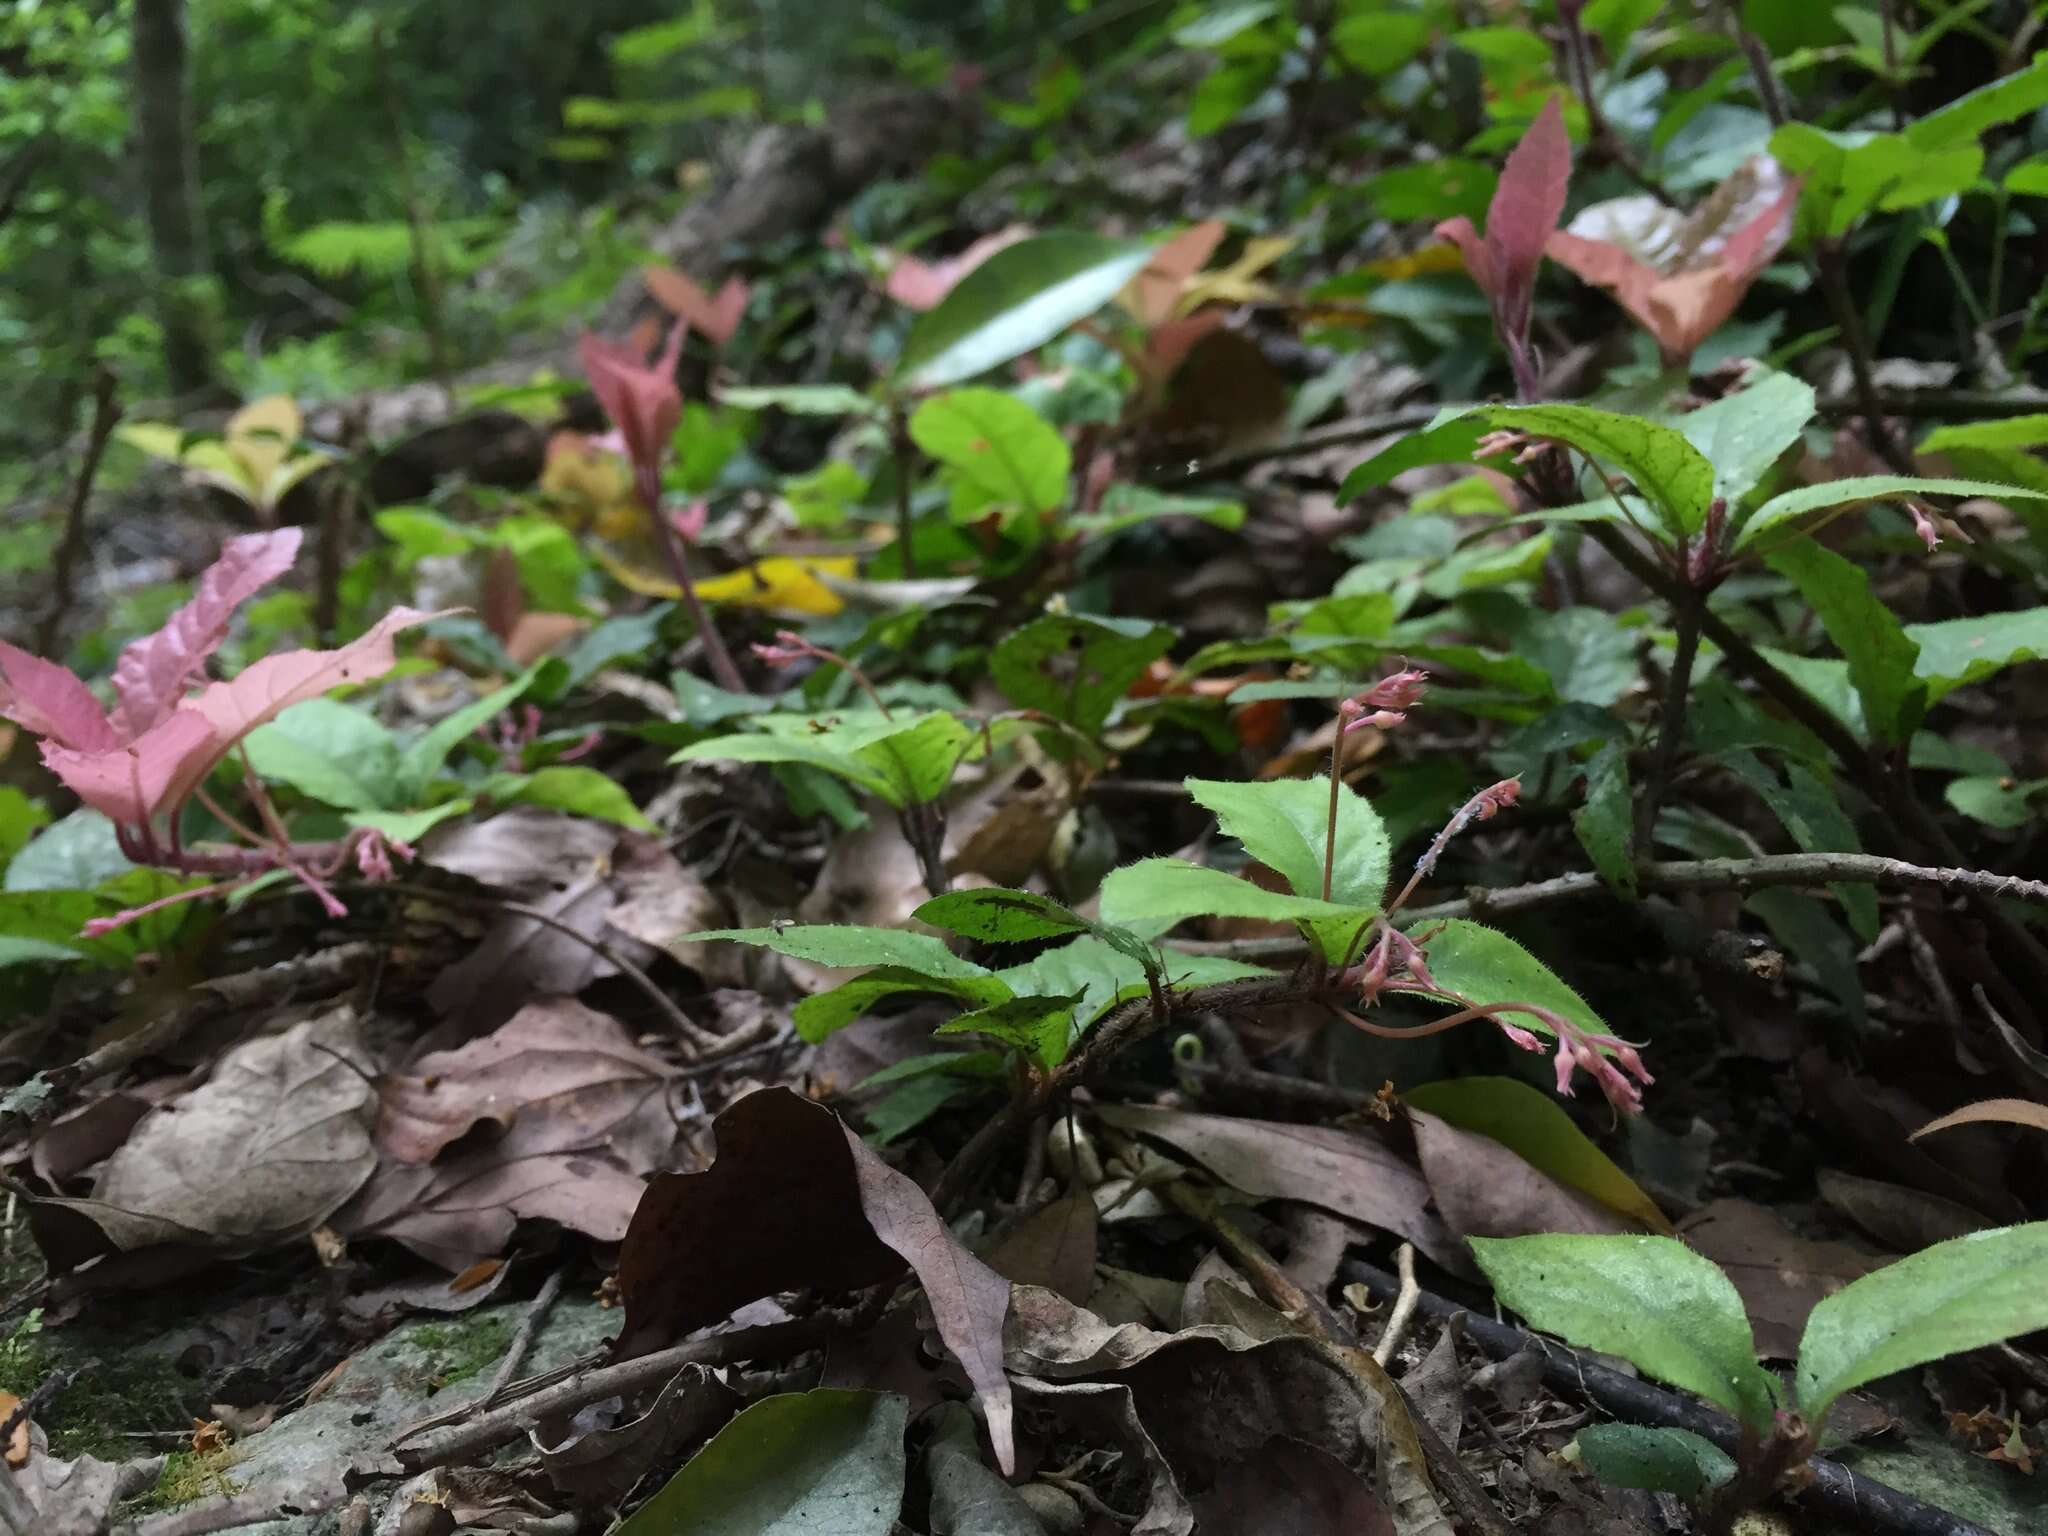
[1864, 1505]
[500, 1426]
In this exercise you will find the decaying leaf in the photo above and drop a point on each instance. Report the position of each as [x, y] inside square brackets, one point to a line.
[1779, 1275]
[1485, 1190]
[795, 1200]
[578, 1117]
[268, 1147]
[1342, 1171]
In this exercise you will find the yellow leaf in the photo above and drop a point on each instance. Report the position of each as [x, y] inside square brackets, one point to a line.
[781, 582]
[1234, 284]
[784, 583]
[261, 436]
[595, 486]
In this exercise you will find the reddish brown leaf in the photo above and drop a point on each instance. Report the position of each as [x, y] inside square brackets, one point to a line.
[1780, 1275]
[1054, 1247]
[1485, 1190]
[796, 1201]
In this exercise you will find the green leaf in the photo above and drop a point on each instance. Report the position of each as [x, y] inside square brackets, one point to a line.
[842, 944]
[997, 916]
[1807, 807]
[20, 819]
[802, 400]
[422, 759]
[331, 751]
[1284, 824]
[569, 787]
[1041, 1027]
[73, 853]
[1742, 435]
[1962, 1294]
[1125, 506]
[627, 634]
[827, 1462]
[1880, 655]
[1954, 652]
[1845, 175]
[1670, 472]
[1378, 43]
[1535, 1127]
[820, 1014]
[1653, 1301]
[1964, 120]
[1017, 300]
[1605, 823]
[1100, 974]
[1163, 889]
[1075, 668]
[998, 445]
[1830, 494]
[1661, 1460]
[902, 761]
[409, 826]
[1474, 961]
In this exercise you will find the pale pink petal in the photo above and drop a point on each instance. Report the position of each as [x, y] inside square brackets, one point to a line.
[919, 284]
[154, 672]
[44, 698]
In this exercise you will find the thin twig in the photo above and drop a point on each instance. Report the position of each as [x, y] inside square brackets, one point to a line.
[1405, 1302]
[698, 1037]
[773, 1341]
[106, 412]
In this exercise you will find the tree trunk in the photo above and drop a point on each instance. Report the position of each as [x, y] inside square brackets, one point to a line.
[169, 161]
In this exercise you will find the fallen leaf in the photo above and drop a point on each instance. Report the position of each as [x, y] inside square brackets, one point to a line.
[582, 1117]
[795, 1200]
[1341, 1171]
[1053, 1247]
[1780, 1276]
[1991, 1112]
[599, 1467]
[17, 1443]
[1109, 1411]
[556, 1061]
[272, 1144]
[1290, 1489]
[1485, 1190]
[1904, 1220]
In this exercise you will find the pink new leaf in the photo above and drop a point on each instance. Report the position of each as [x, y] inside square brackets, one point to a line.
[917, 284]
[714, 318]
[132, 784]
[1527, 203]
[44, 698]
[1157, 288]
[154, 672]
[1519, 221]
[643, 401]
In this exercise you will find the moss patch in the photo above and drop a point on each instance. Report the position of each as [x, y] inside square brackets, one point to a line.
[187, 1478]
[127, 1392]
[455, 1352]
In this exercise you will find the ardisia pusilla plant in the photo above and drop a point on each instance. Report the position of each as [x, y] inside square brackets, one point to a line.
[644, 403]
[140, 764]
[1527, 202]
[1397, 963]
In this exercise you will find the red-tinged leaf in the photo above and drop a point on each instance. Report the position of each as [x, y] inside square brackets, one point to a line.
[1478, 262]
[1157, 288]
[46, 699]
[794, 1201]
[716, 319]
[1751, 248]
[129, 783]
[642, 400]
[1527, 203]
[921, 285]
[1609, 266]
[161, 767]
[154, 672]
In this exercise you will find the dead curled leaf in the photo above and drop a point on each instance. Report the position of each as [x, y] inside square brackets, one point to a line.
[793, 1201]
[268, 1147]
[598, 1467]
[1342, 1171]
[1992, 1112]
[579, 1114]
